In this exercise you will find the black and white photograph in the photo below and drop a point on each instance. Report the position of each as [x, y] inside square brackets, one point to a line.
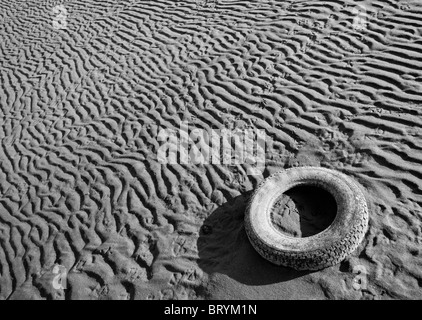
[210, 150]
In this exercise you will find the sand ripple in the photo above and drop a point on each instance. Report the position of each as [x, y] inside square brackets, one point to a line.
[80, 185]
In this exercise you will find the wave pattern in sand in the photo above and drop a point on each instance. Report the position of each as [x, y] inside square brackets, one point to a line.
[81, 107]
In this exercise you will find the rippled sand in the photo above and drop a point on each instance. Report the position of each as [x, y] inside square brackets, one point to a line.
[81, 108]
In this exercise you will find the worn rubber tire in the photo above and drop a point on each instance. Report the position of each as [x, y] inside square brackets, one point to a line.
[321, 250]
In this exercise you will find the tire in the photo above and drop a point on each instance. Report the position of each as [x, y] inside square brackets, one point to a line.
[321, 250]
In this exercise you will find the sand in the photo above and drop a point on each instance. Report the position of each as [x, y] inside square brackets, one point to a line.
[87, 211]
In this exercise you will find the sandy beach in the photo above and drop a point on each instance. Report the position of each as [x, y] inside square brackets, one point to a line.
[95, 203]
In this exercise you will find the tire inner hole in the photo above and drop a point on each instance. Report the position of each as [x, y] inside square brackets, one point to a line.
[303, 211]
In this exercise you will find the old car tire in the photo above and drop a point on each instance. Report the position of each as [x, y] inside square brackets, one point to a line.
[318, 251]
